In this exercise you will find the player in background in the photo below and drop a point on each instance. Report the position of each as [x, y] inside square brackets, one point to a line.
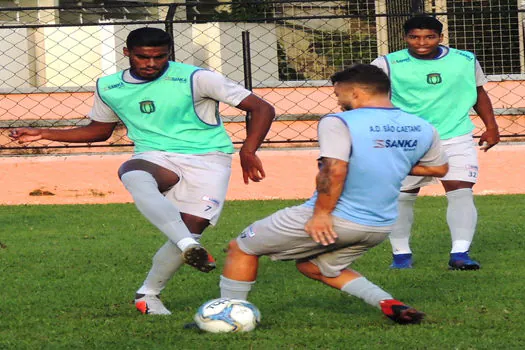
[365, 153]
[179, 173]
[441, 84]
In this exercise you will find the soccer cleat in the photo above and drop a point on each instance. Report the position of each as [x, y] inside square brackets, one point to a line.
[462, 261]
[400, 313]
[150, 305]
[196, 256]
[401, 261]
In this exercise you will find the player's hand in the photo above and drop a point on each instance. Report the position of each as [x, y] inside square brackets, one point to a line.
[320, 228]
[23, 135]
[251, 165]
[489, 139]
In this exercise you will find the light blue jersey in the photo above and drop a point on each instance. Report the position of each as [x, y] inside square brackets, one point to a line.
[386, 144]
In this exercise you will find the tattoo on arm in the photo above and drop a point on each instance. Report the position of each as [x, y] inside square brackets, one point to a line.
[330, 182]
[324, 182]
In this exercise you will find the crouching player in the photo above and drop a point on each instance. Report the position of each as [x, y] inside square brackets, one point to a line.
[365, 153]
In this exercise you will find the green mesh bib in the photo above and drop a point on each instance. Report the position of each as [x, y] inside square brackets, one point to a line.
[160, 114]
[441, 91]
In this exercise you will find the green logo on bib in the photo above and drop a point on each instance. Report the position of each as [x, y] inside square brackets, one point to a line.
[434, 78]
[147, 107]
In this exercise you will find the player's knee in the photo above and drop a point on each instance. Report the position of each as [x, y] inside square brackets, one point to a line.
[233, 247]
[300, 267]
[308, 269]
[123, 169]
[121, 172]
[235, 252]
[138, 179]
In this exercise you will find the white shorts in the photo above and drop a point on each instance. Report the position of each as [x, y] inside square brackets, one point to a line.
[281, 236]
[203, 183]
[462, 162]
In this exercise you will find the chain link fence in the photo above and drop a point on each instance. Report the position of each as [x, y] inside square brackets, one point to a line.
[285, 51]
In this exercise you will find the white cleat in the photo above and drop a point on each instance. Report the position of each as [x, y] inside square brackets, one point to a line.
[150, 305]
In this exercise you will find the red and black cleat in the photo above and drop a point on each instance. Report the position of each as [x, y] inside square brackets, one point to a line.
[400, 313]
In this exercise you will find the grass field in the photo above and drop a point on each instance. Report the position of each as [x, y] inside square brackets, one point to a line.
[68, 275]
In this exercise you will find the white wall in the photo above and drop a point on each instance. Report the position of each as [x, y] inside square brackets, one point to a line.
[72, 57]
[15, 59]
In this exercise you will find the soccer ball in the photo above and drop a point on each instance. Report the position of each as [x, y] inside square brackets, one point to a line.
[225, 315]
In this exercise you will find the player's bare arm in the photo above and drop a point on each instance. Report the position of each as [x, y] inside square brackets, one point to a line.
[483, 108]
[425, 170]
[329, 184]
[262, 115]
[93, 132]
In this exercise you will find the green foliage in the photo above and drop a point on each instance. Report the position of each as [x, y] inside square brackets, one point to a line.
[69, 273]
[286, 71]
[344, 49]
[235, 10]
[256, 9]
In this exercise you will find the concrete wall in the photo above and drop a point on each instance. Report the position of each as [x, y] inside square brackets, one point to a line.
[15, 59]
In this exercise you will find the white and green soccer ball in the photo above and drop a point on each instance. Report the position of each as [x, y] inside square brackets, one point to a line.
[225, 315]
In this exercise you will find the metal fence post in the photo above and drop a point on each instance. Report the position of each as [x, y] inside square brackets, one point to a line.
[169, 28]
[418, 6]
[247, 65]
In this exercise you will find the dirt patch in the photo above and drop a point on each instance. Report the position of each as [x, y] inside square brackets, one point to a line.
[41, 193]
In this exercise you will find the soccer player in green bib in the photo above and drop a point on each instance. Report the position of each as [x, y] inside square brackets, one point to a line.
[441, 84]
[179, 173]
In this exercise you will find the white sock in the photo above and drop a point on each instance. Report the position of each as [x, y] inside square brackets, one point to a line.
[462, 218]
[184, 243]
[154, 206]
[166, 262]
[460, 246]
[400, 235]
[366, 290]
[235, 289]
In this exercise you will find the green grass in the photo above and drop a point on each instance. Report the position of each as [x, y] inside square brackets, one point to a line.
[68, 275]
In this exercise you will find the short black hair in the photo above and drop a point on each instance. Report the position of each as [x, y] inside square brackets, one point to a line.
[367, 75]
[423, 22]
[148, 36]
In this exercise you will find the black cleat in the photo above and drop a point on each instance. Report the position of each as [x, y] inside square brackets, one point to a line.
[196, 256]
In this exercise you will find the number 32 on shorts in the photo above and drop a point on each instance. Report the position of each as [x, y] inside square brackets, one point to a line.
[472, 171]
